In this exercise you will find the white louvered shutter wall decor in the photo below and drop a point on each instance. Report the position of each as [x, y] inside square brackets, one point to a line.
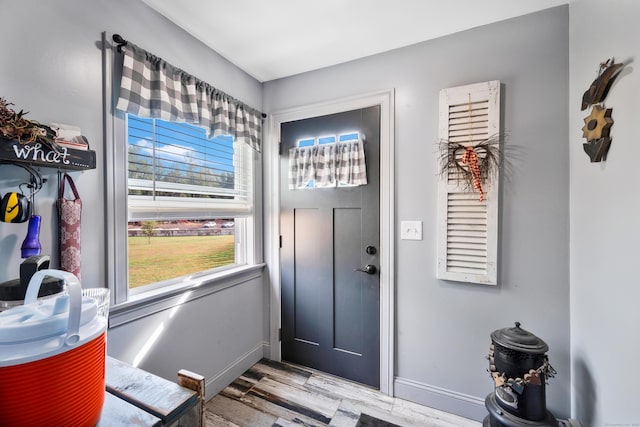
[467, 227]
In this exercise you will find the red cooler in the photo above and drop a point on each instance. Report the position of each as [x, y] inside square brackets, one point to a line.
[52, 358]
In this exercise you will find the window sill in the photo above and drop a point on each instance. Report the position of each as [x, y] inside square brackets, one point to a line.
[147, 303]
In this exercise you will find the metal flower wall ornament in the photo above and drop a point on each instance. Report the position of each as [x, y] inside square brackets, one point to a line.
[598, 123]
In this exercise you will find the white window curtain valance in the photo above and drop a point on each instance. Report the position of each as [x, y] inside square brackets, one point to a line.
[151, 87]
[341, 164]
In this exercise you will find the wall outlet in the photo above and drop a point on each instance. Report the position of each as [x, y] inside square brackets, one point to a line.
[411, 230]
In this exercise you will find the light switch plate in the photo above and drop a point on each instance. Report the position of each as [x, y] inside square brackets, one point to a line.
[411, 230]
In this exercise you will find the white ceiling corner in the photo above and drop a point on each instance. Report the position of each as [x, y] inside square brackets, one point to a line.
[279, 38]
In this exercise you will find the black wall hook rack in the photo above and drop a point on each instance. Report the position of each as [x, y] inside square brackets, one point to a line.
[36, 181]
[120, 41]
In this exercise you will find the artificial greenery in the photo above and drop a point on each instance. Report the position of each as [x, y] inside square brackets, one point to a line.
[14, 126]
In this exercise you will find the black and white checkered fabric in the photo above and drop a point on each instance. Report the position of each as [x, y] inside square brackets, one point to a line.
[341, 164]
[150, 87]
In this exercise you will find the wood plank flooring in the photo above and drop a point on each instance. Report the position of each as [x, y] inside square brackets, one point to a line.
[273, 394]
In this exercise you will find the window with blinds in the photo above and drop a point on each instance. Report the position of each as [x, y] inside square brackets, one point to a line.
[174, 170]
[188, 197]
[468, 226]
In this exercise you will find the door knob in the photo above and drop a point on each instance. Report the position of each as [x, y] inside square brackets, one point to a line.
[369, 269]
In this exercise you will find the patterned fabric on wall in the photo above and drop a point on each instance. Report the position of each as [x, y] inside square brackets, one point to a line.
[340, 164]
[150, 87]
[69, 215]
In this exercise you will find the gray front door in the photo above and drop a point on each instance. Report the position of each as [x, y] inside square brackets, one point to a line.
[331, 311]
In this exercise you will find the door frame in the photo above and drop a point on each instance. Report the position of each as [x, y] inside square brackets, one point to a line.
[271, 194]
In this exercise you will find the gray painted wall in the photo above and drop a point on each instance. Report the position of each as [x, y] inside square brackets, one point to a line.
[443, 328]
[51, 66]
[605, 234]
[218, 336]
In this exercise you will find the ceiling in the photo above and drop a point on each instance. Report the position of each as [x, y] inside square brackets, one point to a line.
[278, 38]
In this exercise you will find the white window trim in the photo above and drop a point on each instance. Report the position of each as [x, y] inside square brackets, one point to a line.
[126, 307]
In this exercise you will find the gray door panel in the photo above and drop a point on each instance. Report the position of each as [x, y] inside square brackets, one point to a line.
[330, 313]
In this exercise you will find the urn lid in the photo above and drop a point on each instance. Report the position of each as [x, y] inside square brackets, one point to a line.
[519, 339]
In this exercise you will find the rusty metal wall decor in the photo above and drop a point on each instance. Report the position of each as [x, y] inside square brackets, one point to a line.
[598, 123]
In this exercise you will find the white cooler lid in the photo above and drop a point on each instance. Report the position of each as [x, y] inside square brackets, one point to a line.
[42, 328]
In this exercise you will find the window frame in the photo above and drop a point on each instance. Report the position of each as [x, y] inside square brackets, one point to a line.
[126, 305]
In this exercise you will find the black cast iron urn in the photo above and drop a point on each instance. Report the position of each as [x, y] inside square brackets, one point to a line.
[519, 367]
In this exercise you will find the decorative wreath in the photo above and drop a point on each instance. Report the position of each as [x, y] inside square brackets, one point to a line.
[475, 164]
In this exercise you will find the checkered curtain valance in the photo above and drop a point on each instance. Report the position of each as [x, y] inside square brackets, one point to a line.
[150, 87]
[341, 164]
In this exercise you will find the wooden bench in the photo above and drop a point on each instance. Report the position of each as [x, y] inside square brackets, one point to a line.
[175, 405]
[118, 412]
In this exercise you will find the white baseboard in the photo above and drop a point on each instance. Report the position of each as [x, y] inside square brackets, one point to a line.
[266, 350]
[439, 398]
[227, 375]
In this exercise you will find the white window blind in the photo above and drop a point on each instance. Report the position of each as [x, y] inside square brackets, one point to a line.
[175, 171]
[468, 226]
